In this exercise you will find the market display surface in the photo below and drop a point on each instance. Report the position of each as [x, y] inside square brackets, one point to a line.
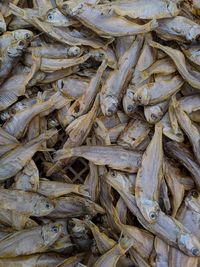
[100, 133]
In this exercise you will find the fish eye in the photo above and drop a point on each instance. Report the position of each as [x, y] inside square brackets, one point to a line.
[139, 97]
[154, 117]
[27, 35]
[50, 16]
[113, 173]
[54, 229]
[153, 215]
[195, 251]
[95, 125]
[195, 194]
[110, 112]
[62, 84]
[130, 108]
[47, 206]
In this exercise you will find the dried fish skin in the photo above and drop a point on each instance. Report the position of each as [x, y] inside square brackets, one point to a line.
[145, 9]
[38, 240]
[185, 157]
[147, 192]
[12, 162]
[151, 93]
[113, 156]
[166, 227]
[34, 204]
[114, 86]
[154, 113]
[39, 260]
[188, 127]
[28, 178]
[179, 60]
[106, 23]
[75, 206]
[178, 28]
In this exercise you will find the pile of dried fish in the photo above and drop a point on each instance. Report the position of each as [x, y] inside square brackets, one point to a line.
[116, 84]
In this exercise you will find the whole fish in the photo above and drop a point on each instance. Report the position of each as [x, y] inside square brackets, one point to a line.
[145, 10]
[115, 157]
[149, 177]
[30, 241]
[15, 160]
[114, 86]
[75, 206]
[105, 23]
[26, 203]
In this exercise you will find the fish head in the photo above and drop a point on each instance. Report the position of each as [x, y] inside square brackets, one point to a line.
[192, 201]
[51, 232]
[153, 114]
[189, 244]
[118, 179]
[23, 35]
[150, 210]
[194, 33]
[109, 105]
[74, 51]
[129, 104]
[142, 96]
[43, 206]
[55, 17]
[16, 49]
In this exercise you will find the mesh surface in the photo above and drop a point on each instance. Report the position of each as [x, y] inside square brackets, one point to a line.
[77, 171]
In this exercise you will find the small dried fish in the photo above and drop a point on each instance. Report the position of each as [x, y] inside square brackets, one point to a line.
[35, 240]
[144, 9]
[115, 157]
[147, 191]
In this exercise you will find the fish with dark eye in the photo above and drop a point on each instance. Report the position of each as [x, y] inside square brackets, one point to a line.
[154, 113]
[29, 241]
[149, 177]
[113, 89]
[105, 22]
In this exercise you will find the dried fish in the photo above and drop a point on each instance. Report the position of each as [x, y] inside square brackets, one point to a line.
[147, 191]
